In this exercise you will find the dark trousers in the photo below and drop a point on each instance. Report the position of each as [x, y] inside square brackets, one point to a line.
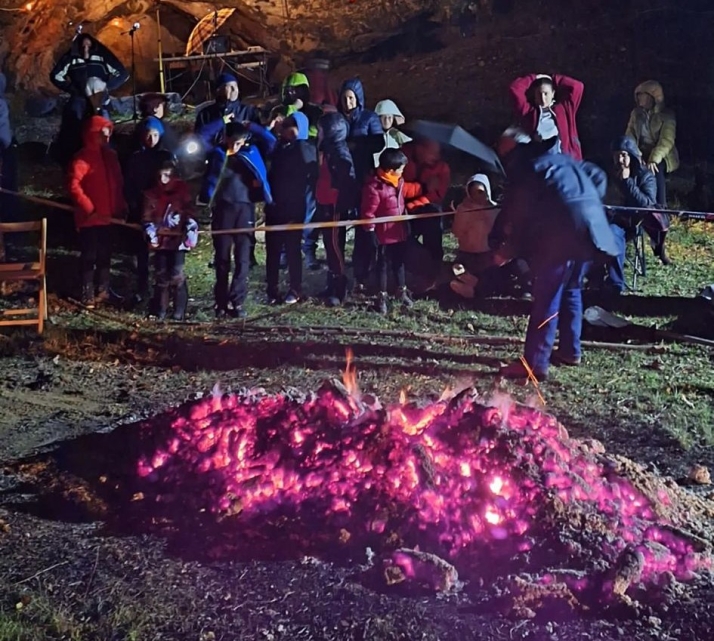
[95, 257]
[334, 239]
[364, 254]
[8, 180]
[141, 252]
[429, 230]
[232, 217]
[615, 281]
[169, 274]
[275, 242]
[392, 256]
[661, 178]
[557, 305]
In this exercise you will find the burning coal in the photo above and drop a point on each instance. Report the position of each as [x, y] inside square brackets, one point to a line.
[493, 487]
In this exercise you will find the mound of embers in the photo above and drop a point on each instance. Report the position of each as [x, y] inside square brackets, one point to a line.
[494, 487]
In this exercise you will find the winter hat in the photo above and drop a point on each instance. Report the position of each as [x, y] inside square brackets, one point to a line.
[224, 79]
[152, 122]
[389, 108]
[483, 179]
[94, 86]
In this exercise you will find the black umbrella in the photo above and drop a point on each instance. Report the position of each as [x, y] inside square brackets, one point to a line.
[458, 138]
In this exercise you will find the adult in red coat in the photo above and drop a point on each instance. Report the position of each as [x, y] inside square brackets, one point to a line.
[96, 186]
[546, 106]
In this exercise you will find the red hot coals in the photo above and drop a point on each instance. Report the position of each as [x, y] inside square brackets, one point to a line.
[492, 487]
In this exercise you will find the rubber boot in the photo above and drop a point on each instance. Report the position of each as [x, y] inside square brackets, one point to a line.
[381, 304]
[180, 301]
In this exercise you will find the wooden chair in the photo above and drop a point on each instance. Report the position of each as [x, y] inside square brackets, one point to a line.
[27, 271]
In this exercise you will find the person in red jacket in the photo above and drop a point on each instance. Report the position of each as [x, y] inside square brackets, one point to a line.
[426, 167]
[546, 107]
[384, 195]
[96, 187]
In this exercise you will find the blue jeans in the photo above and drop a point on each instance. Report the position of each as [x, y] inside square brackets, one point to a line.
[557, 295]
[616, 267]
[310, 236]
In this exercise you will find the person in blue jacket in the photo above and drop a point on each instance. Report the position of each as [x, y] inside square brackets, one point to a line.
[365, 138]
[552, 215]
[236, 179]
[211, 121]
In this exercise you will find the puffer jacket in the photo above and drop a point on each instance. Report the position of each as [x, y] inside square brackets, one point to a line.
[337, 183]
[568, 94]
[381, 199]
[366, 136]
[5, 129]
[95, 180]
[552, 211]
[662, 124]
[170, 208]
[438, 173]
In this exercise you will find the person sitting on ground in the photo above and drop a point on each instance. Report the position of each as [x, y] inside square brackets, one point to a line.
[139, 175]
[636, 186]
[235, 180]
[337, 195]
[156, 105]
[366, 137]
[427, 168]
[383, 196]
[296, 97]
[170, 231]
[212, 119]
[546, 107]
[292, 176]
[553, 216]
[95, 185]
[653, 127]
[391, 117]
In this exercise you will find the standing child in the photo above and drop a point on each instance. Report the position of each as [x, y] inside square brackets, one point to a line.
[96, 188]
[171, 232]
[292, 176]
[235, 180]
[337, 194]
[383, 196]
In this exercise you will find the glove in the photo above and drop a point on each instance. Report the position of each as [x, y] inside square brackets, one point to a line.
[228, 118]
[173, 219]
[151, 236]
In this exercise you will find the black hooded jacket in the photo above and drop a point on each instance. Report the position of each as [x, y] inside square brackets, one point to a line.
[335, 130]
[640, 189]
[72, 71]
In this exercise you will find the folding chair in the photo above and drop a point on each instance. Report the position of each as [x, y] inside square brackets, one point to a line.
[27, 271]
[636, 259]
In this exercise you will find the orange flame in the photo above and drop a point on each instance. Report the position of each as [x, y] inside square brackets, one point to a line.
[349, 376]
[402, 396]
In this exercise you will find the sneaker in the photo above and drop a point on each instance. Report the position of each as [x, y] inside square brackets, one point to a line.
[360, 289]
[333, 301]
[458, 269]
[404, 298]
[462, 289]
[237, 312]
[272, 298]
[88, 302]
[311, 262]
[292, 298]
[517, 371]
[221, 313]
[381, 305]
[558, 358]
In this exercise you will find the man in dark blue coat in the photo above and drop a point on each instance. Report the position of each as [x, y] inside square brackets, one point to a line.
[552, 216]
[211, 121]
[366, 138]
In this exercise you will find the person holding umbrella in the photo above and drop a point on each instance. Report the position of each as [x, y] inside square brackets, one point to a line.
[552, 215]
[546, 107]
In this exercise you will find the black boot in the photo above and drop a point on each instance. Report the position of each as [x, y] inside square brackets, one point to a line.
[160, 303]
[337, 290]
[180, 301]
[311, 261]
[87, 297]
[381, 305]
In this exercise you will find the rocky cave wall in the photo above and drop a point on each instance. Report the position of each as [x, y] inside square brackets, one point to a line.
[33, 39]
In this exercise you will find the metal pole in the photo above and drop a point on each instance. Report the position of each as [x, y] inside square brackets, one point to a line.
[162, 80]
[135, 115]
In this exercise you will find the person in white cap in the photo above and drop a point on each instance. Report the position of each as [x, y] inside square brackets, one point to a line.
[391, 118]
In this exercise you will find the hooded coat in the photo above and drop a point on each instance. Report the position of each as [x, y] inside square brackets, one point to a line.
[660, 124]
[337, 182]
[366, 136]
[568, 95]
[381, 199]
[552, 211]
[300, 82]
[292, 176]
[94, 178]
[473, 222]
[169, 208]
[393, 138]
[5, 129]
[72, 71]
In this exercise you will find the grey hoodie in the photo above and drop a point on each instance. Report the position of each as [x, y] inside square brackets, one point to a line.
[5, 130]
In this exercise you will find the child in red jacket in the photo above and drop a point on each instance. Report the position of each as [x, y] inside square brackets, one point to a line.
[96, 186]
[171, 232]
[383, 196]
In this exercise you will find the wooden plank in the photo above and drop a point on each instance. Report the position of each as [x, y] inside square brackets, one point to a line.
[11, 323]
[19, 312]
[8, 268]
[10, 228]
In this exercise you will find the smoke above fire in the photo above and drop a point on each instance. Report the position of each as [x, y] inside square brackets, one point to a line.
[489, 486]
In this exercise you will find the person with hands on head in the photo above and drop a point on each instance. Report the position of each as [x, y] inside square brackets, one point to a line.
[546, 107]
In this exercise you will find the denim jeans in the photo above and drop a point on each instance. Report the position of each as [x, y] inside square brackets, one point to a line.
[616, 266]
[557, 305]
